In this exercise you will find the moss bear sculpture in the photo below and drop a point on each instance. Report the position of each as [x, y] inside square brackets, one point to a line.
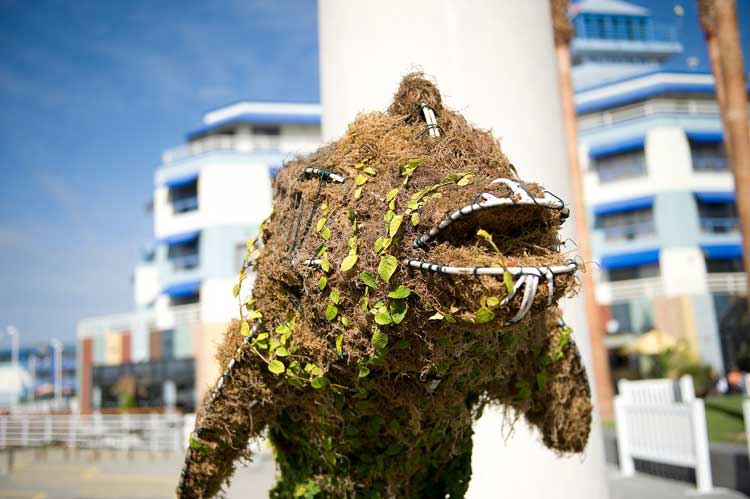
[406, 278]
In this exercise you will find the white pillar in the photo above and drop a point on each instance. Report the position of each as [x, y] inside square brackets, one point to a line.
[493, 60]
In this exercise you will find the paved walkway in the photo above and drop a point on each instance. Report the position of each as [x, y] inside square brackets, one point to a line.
[110, 475]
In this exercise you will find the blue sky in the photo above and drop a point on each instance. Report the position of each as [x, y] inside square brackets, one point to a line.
[91, 92]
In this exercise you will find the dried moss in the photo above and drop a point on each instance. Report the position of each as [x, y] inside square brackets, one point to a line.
[365, 373]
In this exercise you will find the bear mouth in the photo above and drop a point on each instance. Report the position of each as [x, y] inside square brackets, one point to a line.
[520, 214]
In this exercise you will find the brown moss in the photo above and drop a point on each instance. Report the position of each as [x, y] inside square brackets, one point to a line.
[413, 401]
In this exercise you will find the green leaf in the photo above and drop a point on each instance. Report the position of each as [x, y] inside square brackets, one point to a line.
[409, 167]
[326, 234]
[282, 352]
[348, 262]
[261, 336]
[379, 244]
[391, 195]
[200, 447]
[383, 318]
[493, 302]
[344, 320]
[401, 345]
[398, 310]
[363, 371]
[334, 296]
[524, 391]
[331, 312]
[370, 170]
[379, 340]
[325, 264]
[484, 315]
[400, 292]
[236, 290]
[387, 267]
[368, 279]
[245, 329]
[255, 314]
[320, 224]
[361, 179]
[322, 282]
[415, 219]
[357, 193]
[437, 316]
[319, 382]
[508, 280]
[395, 224]
[465, 179]
[541, 379]
[276, 366]
[339, 344]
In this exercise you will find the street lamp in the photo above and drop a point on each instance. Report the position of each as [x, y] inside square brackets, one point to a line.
[58, 347]
[12, 331]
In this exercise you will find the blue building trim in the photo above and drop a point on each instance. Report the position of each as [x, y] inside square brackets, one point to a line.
[177, 239]
[259, 119]
[618, 147]
[597, 86]
[633, 259]
[716, 197]
[173, 183]
[707, 137]
[632, 204]
[182, 289]
[642, 94]
[722, 251]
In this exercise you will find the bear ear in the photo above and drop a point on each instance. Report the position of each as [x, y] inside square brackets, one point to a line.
[413, 92]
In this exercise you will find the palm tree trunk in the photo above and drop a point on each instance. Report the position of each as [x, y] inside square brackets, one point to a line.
[599, 354]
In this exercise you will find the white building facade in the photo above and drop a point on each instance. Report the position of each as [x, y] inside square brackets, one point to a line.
[660, 194]
[210, 196]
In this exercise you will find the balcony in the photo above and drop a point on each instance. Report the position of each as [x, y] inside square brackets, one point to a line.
[719, 225]
[244, 143]
[653, 107]
[727, 282]
[185, 316]
[629, 232]
[185, 205]
[185, 262]
[647, 287]
[710, 164]
[132, 321]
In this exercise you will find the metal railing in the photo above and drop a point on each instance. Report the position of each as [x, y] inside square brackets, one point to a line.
[186, 315]
[629, 231]
[726, 282]
[185, 204]
[710, 163]
[655, 425]
[647, 108]
[613, 172]
[635, 288]
[236, 143]
[184, 262]
[720, 225]
[154, 432]
[132, 321]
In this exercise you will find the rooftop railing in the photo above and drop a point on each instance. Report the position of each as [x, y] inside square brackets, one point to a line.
[647, 108]
[237, 143]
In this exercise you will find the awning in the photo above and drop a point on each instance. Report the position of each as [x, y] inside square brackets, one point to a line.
[182, 289]
[720, 197]
[722, 251]
[174, 183]
[617, 147]
[711, 137]
[624, 205]
[187, 237]
[634, 259]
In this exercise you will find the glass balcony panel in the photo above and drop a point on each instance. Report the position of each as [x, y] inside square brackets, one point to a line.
[719, 225]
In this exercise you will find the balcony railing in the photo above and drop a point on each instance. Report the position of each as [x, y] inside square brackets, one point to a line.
[235, 143]
[629, 232]
[610, 173]
[710, 164]
[133, 321]
[185, 205]
[648, 108]
[186, 315]
[727, 282]
[720, 225]
[185, 262]
[633, 288]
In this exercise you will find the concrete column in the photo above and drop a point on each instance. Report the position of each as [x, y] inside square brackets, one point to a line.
[494, 61]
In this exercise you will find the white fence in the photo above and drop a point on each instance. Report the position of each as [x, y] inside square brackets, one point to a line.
[153, 432]
[660, 421]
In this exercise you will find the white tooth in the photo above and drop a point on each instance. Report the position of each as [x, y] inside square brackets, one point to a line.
[529, 293]
[550, 284]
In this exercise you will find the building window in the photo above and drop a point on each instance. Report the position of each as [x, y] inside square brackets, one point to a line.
[636, 272]
[709, 156]
[635, 316]
[620, 166]
[718, 218]
[627, 225]
[184, 197]
[185, 255]
[724, 265]
[267, 130]
[185, 300]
